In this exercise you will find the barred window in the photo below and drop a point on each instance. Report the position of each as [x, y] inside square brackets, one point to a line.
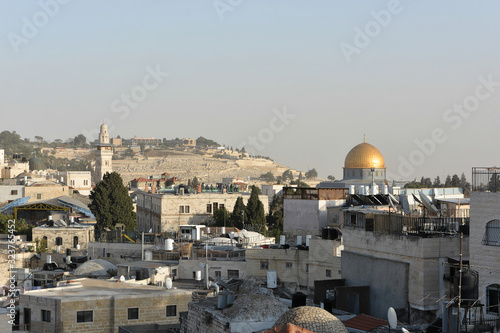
[492, 233]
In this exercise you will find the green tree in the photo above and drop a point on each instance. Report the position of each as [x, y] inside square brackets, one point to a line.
[222, 217]
[287, 176]
[80, 140]
[447, 182]
[464, 183]
[195, 182]
[275, 217]
[494, 183]
[255, 208]
[311, 174]
[239, 212]
[437, 182]
[330, 177]
[111, 203]
[268, 177]
[455, 181]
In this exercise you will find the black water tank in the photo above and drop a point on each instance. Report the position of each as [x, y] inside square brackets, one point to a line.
[333, 234]
[298, 299]
[327, 304]
[68, 252]
[470, 283]
[325, 233]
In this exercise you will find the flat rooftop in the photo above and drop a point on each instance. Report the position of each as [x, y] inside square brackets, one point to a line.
[83, 288]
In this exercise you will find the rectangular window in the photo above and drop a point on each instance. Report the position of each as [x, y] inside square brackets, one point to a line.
[171, 310]
[216, 206]
[84, 316]
[133, 313]
[13, 192]
[233, 274]
[72, 182]
[328, 273]
[307, 268]
[493, 299]
[209, 208]
[289, 264]
[186, 209]
[221, 206]
[85, 182]
[38, 196]
[174, 272]
[264, 264]
[181, 209]
[46, 316]
[218, 274]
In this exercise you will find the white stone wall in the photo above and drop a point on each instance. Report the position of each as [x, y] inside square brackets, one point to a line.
[187, 267]
[78, 180]
[306, 266]
[484, 259]
[422, 255]
[302, 217]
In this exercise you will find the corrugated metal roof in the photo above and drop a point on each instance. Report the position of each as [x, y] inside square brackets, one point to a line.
[365, 323]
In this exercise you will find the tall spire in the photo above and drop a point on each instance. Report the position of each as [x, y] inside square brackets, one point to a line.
[364, 137]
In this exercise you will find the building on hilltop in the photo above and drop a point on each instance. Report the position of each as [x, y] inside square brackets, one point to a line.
[103, 152]
[135, 141]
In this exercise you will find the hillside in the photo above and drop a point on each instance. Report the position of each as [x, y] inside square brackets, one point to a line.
[186, 165]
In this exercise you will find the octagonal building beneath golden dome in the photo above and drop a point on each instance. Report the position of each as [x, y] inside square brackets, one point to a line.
[363, 162]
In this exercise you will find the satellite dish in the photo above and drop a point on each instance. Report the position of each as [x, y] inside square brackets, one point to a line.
[122, 278]
[392, 317]
[406, 204]
[428, 203]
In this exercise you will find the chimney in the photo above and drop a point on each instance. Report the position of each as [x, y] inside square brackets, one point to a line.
[153, 189]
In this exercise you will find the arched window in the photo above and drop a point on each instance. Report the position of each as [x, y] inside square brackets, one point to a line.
[492, 233]
[75, 241]
[492, 298]
[44, 242]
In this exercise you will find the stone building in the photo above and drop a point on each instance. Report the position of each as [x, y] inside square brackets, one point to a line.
[103, 152]
[403, 259]
[296, 267]
[305, 210]
[80, 181]
[161, 212]
[46, 190]
[90, 305]
[73, 236]
[485, 249]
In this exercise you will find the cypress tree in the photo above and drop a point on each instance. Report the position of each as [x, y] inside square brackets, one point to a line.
[111, 203]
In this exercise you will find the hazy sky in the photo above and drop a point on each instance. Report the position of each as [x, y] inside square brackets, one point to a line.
[300, 81]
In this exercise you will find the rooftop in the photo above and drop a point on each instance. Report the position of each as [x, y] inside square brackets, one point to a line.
[81, 288]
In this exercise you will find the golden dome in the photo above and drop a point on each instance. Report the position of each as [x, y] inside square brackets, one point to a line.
[364, 156]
